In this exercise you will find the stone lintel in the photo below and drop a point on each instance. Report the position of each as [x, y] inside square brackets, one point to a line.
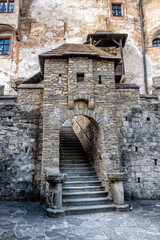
[30, 86]
[148, 96]
[127, 86]
[114, 177]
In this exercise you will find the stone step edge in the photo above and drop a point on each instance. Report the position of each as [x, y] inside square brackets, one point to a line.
[81, 187]
[84, 193]
[76, 200]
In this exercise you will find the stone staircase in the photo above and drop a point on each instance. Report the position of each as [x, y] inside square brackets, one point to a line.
[82, 192]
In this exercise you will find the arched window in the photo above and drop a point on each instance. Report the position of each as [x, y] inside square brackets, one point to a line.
[156, 42]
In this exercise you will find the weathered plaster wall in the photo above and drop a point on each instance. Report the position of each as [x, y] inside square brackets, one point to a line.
[152, 30]
[10, 28]
[72, 21]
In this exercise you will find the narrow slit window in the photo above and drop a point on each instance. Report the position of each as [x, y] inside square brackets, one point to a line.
[80, 77]
[60, 78]
[100, 79]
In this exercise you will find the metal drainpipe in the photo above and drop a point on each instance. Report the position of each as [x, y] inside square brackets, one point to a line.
[143, 48]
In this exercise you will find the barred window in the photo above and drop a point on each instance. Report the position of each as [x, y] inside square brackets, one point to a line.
[4, 46]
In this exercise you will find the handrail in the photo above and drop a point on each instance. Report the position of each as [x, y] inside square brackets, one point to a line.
[90, 143]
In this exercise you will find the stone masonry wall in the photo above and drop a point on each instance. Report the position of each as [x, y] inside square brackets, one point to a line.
[19, 149]
[140, 143]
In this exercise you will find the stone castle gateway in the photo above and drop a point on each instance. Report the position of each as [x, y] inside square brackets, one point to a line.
[76, 102]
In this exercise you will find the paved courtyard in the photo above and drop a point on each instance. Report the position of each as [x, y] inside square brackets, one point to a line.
[28, 221]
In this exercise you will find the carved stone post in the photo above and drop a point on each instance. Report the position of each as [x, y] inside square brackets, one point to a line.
[54, 194]
[117, 188]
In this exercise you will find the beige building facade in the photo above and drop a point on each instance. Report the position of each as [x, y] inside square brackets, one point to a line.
[34, 27]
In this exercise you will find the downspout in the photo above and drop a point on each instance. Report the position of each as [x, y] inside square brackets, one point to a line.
[143, 47]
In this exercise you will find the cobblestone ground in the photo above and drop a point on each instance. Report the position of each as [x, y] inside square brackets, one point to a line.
[28, 221]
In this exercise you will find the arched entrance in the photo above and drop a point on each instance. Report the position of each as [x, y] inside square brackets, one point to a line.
[80, 159]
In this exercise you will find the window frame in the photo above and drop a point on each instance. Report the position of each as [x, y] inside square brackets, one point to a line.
[156, 39]
[9, 51]
[7, 7]
[122, 9]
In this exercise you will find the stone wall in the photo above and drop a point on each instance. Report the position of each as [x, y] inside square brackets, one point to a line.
[140, 146]
[21, 144]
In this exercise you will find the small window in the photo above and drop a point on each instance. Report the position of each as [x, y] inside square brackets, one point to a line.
[3, 6]
[117, 10]
[11, 6]
[4, 46]
[6, 6]
[80, 77]
[156, 42]
[100, 79]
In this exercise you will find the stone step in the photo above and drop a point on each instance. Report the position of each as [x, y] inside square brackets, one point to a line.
[74, 162]
[73, 154]
[80, 174]
[74, 150]
[67, 189]
[74, 158]
[84, 195]
[75, 165]
[81, 183]
[86, 201]
[77, 170]
[82, 178]
[90, 209]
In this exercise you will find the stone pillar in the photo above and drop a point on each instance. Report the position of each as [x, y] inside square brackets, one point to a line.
[117, 189]
[54, 194]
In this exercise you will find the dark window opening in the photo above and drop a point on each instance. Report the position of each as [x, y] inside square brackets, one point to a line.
[139, 179]
[26, 149]
[156, 42]
[80, 77]
[136, 148]
[100, 79]
[5, 168]
[4, 46]
[155, 161]
[126, 118]
[148, 119]
[6, 6]
[117, 10]
[60, 78]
